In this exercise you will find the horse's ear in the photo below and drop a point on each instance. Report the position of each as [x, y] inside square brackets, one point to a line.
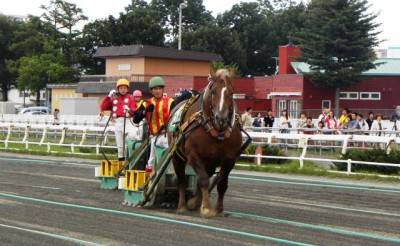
[212, 74]
[232, 73]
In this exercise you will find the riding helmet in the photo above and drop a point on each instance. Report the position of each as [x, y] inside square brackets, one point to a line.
[156, 81]
[122, 82]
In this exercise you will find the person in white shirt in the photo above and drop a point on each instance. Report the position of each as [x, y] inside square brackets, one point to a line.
[377, 126]
[284, 122]
[324, 114]
[247, 119]
[302, 121]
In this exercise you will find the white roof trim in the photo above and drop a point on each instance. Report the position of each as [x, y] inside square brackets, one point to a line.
[285, 94]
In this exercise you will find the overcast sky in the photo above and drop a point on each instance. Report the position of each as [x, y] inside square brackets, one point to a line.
[389, 12]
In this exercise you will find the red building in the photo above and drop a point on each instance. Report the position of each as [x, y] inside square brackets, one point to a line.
[379, 92]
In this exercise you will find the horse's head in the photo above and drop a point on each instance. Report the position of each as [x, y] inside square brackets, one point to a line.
[219, 99]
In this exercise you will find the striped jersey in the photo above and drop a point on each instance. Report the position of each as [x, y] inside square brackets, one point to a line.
[160, 115]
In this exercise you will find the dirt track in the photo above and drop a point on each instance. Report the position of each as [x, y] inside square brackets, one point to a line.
[48, 201]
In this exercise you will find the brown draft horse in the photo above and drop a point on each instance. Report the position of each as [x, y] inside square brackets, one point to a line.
[213, 139]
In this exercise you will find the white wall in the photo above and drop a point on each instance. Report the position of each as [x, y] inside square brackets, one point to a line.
[13, 96]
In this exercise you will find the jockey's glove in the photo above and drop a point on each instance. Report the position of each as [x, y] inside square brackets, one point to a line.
[112, 92]
[149, 108]
[126, 108]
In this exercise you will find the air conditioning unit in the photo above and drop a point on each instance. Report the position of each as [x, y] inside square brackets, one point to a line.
[239, 96]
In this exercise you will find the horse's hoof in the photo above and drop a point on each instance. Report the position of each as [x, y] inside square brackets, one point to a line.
[207, 213]
[182, 210]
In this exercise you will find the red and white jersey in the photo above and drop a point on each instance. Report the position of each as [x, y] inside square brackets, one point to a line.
[116, 105]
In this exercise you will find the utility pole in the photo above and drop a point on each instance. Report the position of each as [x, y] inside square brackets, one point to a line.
[181, 6]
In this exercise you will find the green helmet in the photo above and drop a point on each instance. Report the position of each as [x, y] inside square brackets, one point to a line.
[156, 81]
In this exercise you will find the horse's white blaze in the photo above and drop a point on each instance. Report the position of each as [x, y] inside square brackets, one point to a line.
[221, 102]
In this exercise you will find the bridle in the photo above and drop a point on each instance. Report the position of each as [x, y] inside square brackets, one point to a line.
[208, 121]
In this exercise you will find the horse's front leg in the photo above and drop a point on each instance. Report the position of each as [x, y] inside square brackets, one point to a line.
[221, 188]
[204, 181]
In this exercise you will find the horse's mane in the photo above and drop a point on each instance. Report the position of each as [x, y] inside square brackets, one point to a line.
[224, 73]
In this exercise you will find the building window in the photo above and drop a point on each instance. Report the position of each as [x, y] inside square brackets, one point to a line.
[294, 110]
[348, 95]
[281, 106]
[370, 96]
[326, 103]
[124, 67]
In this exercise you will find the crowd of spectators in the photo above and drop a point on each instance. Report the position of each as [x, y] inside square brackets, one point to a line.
[327, 122]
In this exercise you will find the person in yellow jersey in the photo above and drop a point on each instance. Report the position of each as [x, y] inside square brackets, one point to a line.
[137, 95]
[157, 113]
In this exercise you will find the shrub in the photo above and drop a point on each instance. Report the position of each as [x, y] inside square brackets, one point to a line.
[266, 150]
[371, 155]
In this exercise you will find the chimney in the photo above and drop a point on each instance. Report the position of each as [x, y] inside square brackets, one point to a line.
[286, 56]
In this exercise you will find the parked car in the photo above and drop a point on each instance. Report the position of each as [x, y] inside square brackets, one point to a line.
[30, 110]
[35, 113]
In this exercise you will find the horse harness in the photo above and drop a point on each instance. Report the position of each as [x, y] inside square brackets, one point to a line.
[199, 118]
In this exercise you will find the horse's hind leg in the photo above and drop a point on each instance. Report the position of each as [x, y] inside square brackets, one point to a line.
[180, 174]
[195, 202]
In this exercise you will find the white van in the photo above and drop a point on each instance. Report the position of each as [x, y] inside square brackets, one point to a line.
[31, 110]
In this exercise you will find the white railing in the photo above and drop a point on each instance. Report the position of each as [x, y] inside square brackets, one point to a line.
[80, 133]
[304, 140]
[89, 120]
[301, 141]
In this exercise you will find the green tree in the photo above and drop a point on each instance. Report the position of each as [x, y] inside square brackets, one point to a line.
[250, 21]
[7, 28]
[283, 23]
[212, 38]
[36, 71]
[99, 33]
[64, 16]
[283, 4]
[194, 16]
[220, 65]
[337, 42]
[140, 25]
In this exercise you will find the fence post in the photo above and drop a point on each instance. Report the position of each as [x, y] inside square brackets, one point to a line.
[301, 162]
[348, 166]
[257, 159]
[26, 144]
[48, 147]
[97, 149]
[303, 153]
[72, 148]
